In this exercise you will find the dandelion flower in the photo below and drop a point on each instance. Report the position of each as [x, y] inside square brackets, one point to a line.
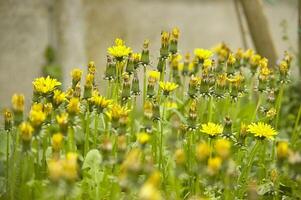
[143, 138]
[212, 129]
[214, 165]
[262, 130]
[202, 54]
[282, 149]
[26, 131]
[18, 102]
[119, 50]
[168, 87]
[202, 151]
[45, 85]
[222, 147]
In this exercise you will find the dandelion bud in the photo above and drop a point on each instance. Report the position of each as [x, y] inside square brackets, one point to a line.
[274, 175]
[173, 44]
[135, 85]
[193, 87]
[88, 86]
[91, 67]
[192, 116]
[228, 126]
[18, 107]
[110, 73]
[76, 76]
[156, 111]
[8, 119]
[77, 91]
[126, 88]
[130, 65]
[230, 64]
[145, 53]
[164, 44]
[161, 65]
[185, 70]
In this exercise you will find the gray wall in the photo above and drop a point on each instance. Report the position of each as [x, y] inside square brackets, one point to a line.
[81, 30]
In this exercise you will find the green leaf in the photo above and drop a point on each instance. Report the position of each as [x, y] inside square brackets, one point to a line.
[92, 160]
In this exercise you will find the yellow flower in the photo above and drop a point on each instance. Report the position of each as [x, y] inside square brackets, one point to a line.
[73, 106]
[136, 57]
[282, 149]
[36, 114]
[62, 119]
[76, 75]
[212, 129]
[58, 97]
[222, 147]
[26, 131]
[70, 167]
[263, 63]
[255, 59]
[236, 80]
[18, 102]
[57, 140]
[153, 76]
[202, 151]
[248, 54]
[262, 130]
[164, 38]
[175, 32]
[55, 169]
[221, 80]
[283, 67]
[117, 112]
[171, 105]
[149, 190]
[100, 101]
[202, 54]
[91, 67]
[45, 85]
[119, 50]
[180, 157]
[168, 87]
[143, 138]
[231, 59]
[207, 63]
[214, 164]
[264, 73]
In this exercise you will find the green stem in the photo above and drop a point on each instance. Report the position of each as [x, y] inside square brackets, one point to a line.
[95, 130]
[7, 162]
[242, 179]
[278, 104]
[144, 84]
[87, 123]
[161, 137]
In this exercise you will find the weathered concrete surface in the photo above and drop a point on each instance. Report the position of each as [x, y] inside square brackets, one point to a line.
[23, 38]
[81, 29]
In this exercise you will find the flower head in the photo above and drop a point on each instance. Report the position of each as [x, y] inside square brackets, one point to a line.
[143, 138]
[58, 97]
[73, 106]
[222, 147]
[153, 76]
[212, 129]
[214, 164]
[119, 50]
[36, 115]
[168, 87]
[202, 54]
[202, 151]
[57, 140]
[26, 131]
[262, 130]
[99, 101]
[45, 85]
[18, 102]
[282, 149]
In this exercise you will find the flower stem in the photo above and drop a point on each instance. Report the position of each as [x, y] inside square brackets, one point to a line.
[246, 169]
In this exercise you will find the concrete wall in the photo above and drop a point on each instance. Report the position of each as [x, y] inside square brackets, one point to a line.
[81, 30]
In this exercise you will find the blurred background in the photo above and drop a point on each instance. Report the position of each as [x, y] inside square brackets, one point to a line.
[79, 31]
